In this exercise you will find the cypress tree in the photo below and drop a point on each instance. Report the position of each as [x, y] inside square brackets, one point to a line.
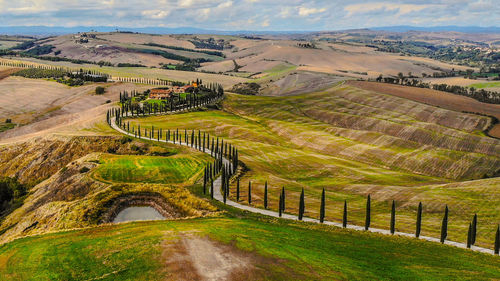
[265, 195]
[419, 220]
[368, 212]
[344, 217]
[393, 217]
[238, 190]
[283, 205]
[223, 183]
[249, 192]
[301, 205]
[280, 205]
[469, 236]
[322, 207]
[497, 241]
[444, 225]
[212, 189]
[205, 180]
[474, 230]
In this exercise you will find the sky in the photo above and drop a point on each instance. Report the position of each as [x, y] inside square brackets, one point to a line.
[276, 15]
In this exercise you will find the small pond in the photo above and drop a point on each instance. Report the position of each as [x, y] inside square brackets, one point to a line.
[138, 214]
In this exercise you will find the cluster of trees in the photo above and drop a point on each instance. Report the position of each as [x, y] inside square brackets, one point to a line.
[204, 94]
[89, 75]
[251, 88]
[39, 50]
[12, 194]
[125, 64]
[472, 56]
[480, 95]
[213, 53]
[211, 43]
[306, 45]
[37, 73]
[63, 76]
[201, 96]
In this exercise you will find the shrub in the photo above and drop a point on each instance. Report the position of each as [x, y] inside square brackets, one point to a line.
[84, 170]
[8, 121]
[99, 90]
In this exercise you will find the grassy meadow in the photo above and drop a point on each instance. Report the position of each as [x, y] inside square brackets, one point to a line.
[176, 169]
[310, 142]
[135, 251]
[485, 85]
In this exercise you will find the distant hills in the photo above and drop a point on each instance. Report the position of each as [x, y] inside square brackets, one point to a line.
[59, 30]
[464, 29]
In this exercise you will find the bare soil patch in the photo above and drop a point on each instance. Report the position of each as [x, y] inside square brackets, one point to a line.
[436, 98]
[198, 258]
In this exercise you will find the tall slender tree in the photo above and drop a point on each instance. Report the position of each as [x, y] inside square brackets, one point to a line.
[444, 225]
[419, 220]
[205, 180]
[238, 190]
[469, 236]
[474, 230]
[280, 205]
[301, 205]
[249, 192]
[212, 189]
[344, 217]
[393, 217]
[322, 207]
[265, 195]
[368, 212]
[497, 241]
[283, 206]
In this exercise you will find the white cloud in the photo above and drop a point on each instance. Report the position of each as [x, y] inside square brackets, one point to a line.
[265, 23]
[155, 14]
[304, 12]
[401, 9]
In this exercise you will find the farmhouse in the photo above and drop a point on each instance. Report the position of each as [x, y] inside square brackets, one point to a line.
[160, 94]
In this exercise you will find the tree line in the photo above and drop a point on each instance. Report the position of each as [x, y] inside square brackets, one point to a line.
[480, 95]
[471, 234]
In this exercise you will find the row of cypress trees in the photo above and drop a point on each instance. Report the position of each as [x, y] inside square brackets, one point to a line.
[471, 237]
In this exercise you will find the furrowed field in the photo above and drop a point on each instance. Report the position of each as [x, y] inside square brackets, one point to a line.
[354, 143]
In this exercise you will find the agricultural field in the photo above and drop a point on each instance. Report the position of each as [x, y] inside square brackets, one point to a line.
[354, 143]
[437, 98]
[220, 247]
[185, 169]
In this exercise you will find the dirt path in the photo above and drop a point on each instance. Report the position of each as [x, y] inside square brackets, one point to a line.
[435, 98]
[198, 258]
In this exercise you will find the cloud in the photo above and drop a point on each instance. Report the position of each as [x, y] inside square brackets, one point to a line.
[399, 9]
[304, 12]
[155, 14]
[265, 23]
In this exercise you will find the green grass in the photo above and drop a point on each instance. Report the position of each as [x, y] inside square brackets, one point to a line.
[177, 169]
[6, 126]
[288, 251]
[277, 72]
[295, 142]
[485, 85]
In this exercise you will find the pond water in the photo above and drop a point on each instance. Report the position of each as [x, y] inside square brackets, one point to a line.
[138, 214]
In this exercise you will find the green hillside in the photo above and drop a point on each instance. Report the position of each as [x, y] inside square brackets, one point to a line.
[281, 250]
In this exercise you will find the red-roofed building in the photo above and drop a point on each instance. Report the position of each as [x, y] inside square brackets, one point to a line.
[160, 94]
